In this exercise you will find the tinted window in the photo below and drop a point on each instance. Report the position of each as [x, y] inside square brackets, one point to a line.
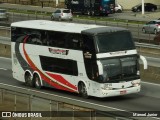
[115, 41]
[66, 11]
[48, 38]
[158, 23]
[58, 11]
[64, 66]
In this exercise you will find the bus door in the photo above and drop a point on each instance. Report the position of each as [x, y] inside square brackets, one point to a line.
[90, 57]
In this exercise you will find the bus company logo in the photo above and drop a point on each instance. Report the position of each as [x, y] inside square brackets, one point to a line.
[58, 51]
[6, 114]
[118, 53]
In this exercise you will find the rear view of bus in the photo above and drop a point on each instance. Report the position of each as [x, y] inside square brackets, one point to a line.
[106, 6]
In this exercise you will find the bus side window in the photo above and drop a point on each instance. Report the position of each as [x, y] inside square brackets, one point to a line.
[77, 41]
[60, 39]
[51, 41]
[88, 44]
[73, 41]
[68, 40]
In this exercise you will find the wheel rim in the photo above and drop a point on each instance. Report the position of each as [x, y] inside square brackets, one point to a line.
[83, 90]
[37, 82]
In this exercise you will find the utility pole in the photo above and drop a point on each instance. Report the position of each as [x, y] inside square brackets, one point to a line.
[142, 7]
[56, 3]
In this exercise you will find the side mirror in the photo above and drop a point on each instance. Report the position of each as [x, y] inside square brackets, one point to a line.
[144, 62]
[100, 68]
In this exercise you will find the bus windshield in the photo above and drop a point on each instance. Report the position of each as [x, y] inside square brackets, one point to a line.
[111, 42]
[120, 69]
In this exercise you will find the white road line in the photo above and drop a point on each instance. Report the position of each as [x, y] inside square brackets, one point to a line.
[3, 69]
[151, 83]
[5, 58]
[153, 58]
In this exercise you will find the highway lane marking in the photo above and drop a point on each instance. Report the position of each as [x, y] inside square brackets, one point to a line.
[153, 58]
[151, 83]
[3, 69]
[5, 58]
[75, 100]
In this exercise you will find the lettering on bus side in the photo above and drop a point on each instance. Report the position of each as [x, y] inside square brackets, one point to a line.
[58, 51]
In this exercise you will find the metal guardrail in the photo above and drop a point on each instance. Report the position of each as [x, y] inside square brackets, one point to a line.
[60, 103]
[5, 40]
[145, 45]
[55, 103]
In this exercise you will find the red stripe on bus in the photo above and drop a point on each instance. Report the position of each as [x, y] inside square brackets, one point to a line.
[60, 79]
[43, 76]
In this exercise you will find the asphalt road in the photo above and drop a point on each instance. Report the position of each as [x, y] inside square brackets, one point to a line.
[146, 100]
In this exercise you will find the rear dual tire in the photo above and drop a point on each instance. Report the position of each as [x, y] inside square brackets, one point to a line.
[35, 82]
[28, 80]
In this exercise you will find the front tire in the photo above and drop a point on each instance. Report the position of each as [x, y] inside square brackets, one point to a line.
[82, 90]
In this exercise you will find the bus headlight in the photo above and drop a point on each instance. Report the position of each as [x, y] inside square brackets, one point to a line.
[107, 87]
[136, 83]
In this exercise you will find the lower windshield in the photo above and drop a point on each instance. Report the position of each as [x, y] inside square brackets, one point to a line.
[120, 69]
[114, 41]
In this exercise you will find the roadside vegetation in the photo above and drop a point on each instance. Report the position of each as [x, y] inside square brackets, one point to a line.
[77, 16]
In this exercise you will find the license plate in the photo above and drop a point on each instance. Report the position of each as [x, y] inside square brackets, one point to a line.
[123, 92]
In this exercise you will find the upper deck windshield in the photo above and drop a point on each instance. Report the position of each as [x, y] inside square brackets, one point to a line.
[114, 41]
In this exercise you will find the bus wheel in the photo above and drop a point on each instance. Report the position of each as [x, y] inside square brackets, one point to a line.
[82, 90]
[37, 82]
[28, 80]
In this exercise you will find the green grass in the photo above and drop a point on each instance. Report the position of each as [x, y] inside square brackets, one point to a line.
[95, 18]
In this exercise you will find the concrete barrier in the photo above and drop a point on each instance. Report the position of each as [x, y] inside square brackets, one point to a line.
[5, 50]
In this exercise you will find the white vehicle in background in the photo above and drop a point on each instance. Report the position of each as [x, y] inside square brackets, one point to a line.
[91, 60]
[118, 8]
[3, 14]
[151, 27]
[62, 14]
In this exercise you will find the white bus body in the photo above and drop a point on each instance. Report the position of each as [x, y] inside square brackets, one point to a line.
[75, 57]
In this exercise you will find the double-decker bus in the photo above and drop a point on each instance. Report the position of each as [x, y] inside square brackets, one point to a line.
[91, 7]
[91, 60]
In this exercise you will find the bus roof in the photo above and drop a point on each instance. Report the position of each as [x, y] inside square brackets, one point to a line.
[65, 27]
